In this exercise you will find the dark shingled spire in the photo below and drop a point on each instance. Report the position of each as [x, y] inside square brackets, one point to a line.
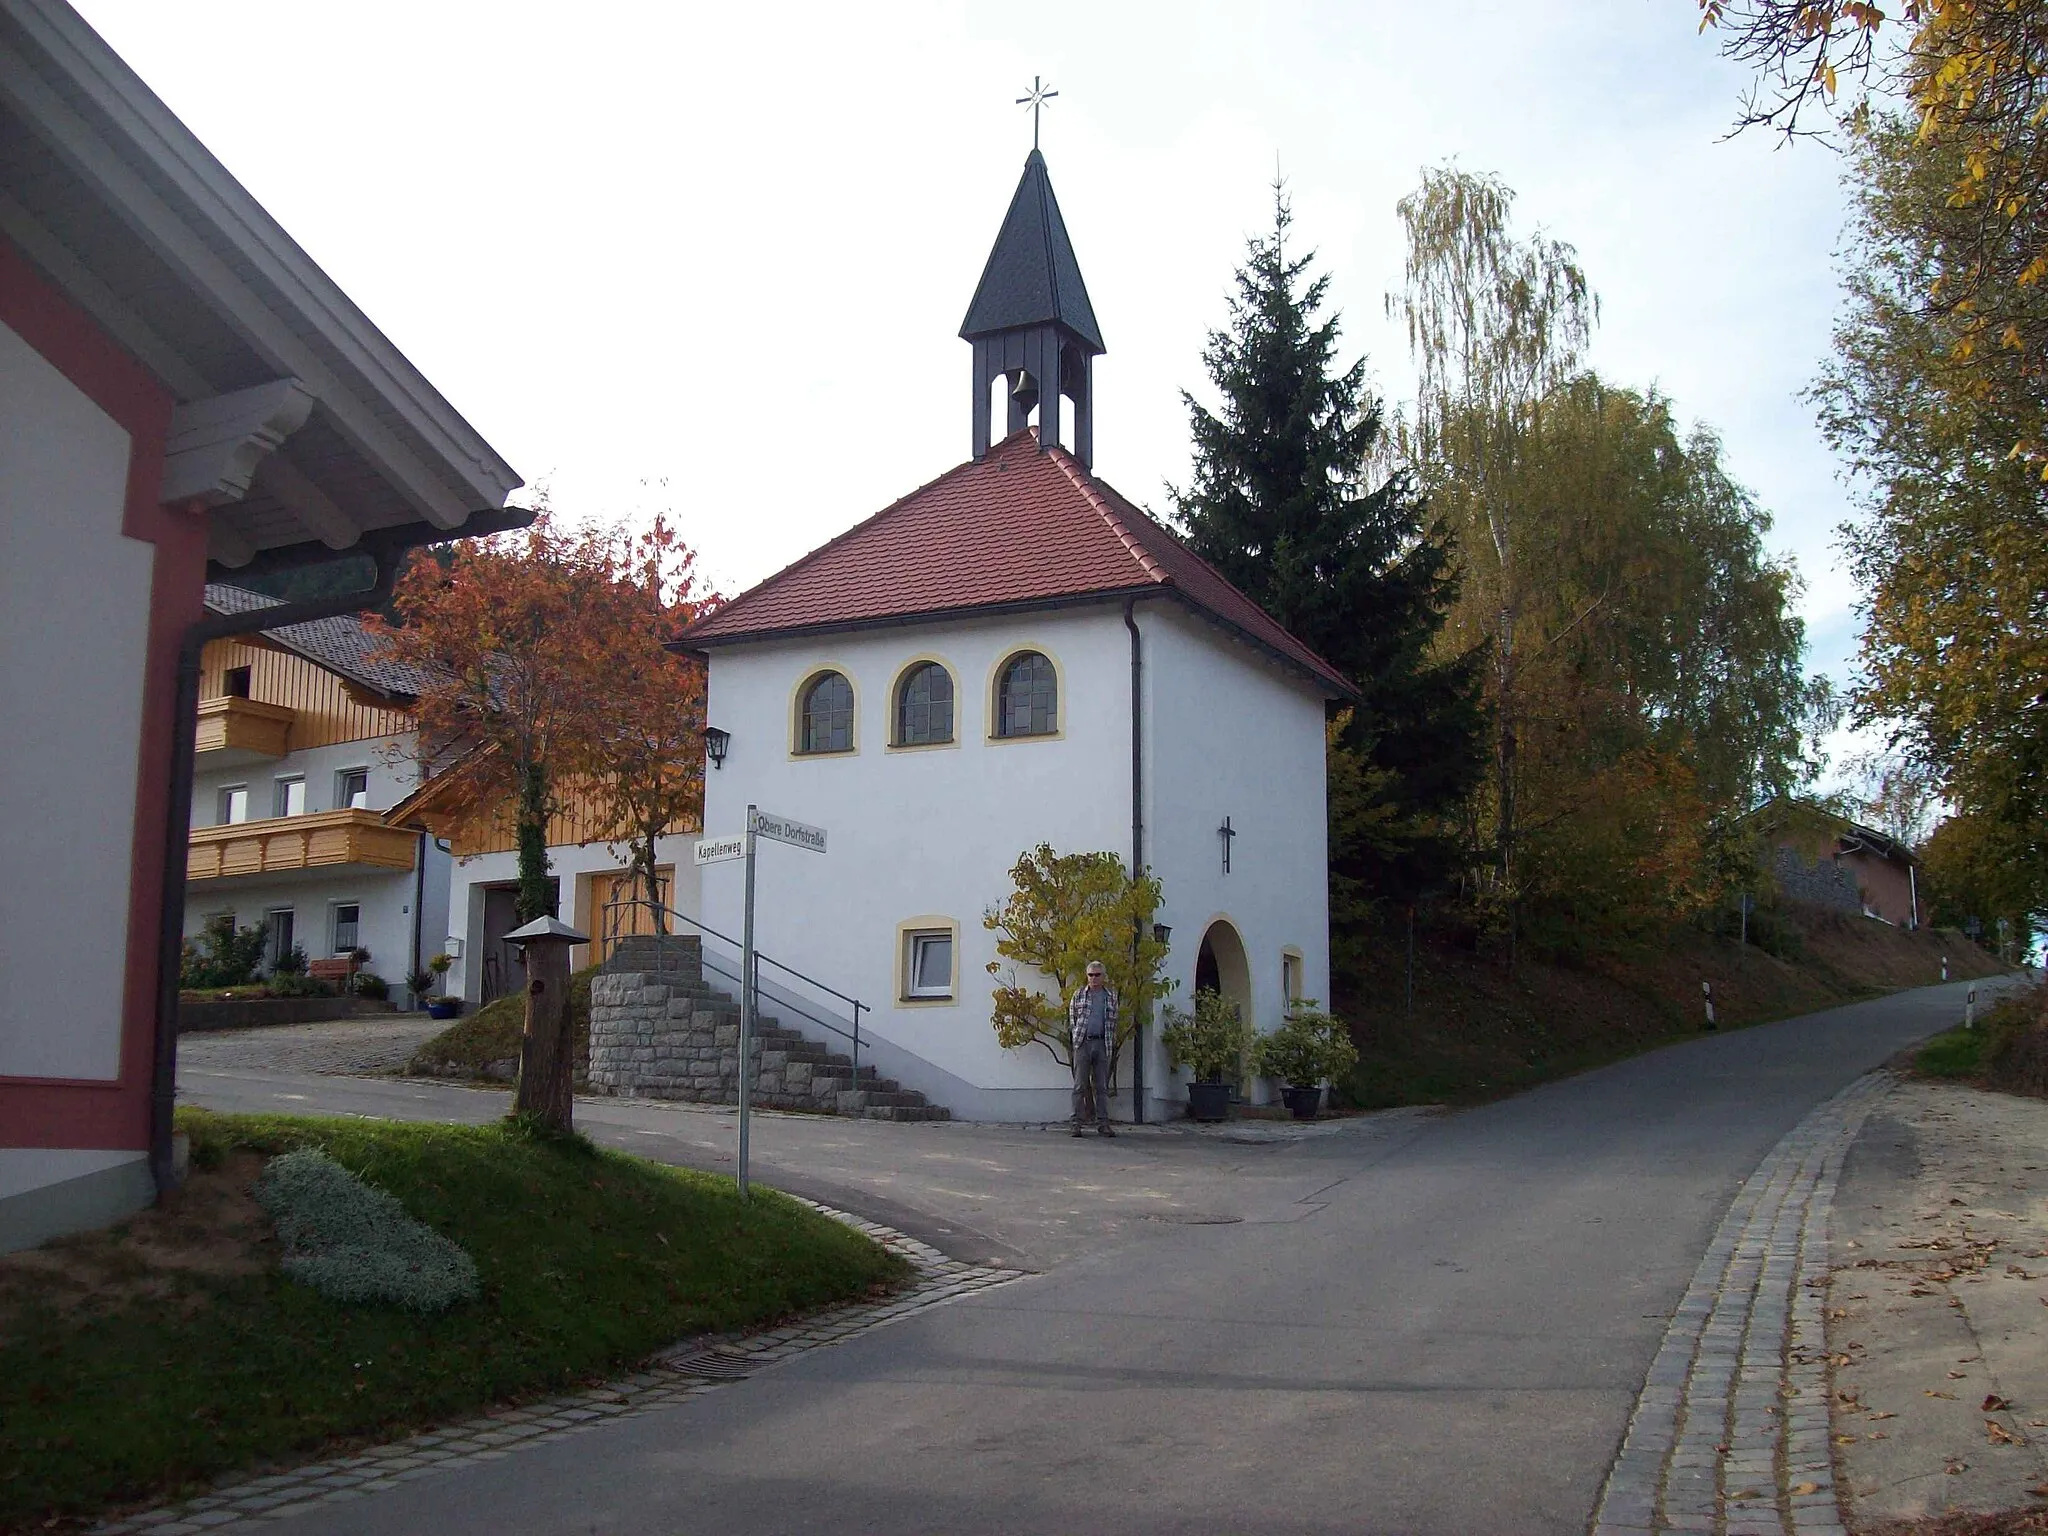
[1032, 277]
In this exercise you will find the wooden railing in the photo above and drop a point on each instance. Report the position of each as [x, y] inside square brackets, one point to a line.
[235, 724]
[322, 840]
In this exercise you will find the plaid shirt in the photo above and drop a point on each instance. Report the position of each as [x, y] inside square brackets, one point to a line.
[1077, 1017]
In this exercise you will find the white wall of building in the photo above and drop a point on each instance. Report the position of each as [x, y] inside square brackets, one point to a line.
[928, 835]
[1232, 734]
[924, 835]
[74, 613]
[392, 777]
[570, 863]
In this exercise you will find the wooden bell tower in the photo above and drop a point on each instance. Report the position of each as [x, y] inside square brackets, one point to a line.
[1031, 324]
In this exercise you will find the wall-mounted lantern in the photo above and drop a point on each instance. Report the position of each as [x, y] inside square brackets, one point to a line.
[715, 743]
[1161, 933]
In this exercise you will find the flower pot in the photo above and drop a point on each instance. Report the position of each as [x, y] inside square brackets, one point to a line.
[1303, 1102]
[1209, 1101]
[443, 1008]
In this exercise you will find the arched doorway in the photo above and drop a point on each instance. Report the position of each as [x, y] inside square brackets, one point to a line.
[1221, 966]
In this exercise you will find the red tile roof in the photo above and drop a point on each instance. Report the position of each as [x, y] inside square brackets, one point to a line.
[1017, 529]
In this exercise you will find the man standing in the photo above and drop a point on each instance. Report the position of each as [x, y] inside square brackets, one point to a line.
[1092, 1019]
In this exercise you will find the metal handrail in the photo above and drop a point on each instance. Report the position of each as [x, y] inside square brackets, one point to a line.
[614, 916]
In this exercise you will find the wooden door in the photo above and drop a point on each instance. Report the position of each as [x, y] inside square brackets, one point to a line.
[609, 923]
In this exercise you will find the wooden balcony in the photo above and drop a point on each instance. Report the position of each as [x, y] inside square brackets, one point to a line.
[235, 730]
[283, 844]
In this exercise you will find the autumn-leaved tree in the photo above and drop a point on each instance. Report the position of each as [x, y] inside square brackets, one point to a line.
[649, 755]
[1494, 324]
[1974, 77]
[514, 640]
[1064, 910]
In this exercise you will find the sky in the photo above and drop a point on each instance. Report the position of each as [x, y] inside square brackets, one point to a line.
[713, 259]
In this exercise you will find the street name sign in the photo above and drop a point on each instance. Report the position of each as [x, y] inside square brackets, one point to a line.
[716, 850]
[796, 833]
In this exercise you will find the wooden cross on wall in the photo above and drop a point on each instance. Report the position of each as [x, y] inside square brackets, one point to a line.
[1224, 834]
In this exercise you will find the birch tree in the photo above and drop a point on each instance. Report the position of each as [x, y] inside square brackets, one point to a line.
[1494, 324]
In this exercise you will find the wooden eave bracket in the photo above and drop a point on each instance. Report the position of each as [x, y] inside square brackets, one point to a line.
[215, 445]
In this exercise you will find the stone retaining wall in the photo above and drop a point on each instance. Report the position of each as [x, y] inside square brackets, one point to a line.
[661, 1036]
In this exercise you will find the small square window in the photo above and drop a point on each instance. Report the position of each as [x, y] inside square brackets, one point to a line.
[352, 789]
[234, 804]
[347, 927]
[291, 797]
[235, 682]
[928, 967]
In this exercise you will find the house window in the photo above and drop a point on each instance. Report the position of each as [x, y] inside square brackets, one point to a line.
[924, 706]
[1027, 697]
[1290, 977]
[291, 797]
[352, 789]
[234, 804]
[928, 965]
[282, 938]
[827, 715]
[347, 926]
[235, 682]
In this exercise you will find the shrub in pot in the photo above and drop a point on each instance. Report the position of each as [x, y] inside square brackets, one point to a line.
[1210, 1041]
[1307, 1048]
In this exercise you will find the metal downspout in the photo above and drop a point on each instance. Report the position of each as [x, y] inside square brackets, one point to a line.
[163, 1085]
[1137, 834]
[419, 906]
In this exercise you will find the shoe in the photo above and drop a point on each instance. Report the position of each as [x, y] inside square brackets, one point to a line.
[1102, 1130]
[1078, 1131]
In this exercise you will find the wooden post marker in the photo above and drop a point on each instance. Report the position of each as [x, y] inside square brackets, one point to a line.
[547, 1063]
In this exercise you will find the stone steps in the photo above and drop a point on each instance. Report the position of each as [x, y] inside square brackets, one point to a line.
[659, 1030]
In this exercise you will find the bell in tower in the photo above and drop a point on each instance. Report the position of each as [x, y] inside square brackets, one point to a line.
[1031, 324]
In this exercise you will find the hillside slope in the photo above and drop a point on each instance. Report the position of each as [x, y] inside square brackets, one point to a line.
[1474, 1033]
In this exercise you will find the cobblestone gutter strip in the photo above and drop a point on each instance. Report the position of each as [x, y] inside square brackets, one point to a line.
[495, 1435]
[1730, 1434]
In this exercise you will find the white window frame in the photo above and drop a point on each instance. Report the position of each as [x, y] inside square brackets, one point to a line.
[276, 949]
[225, 803]
[911, 937]
[342, 798]
[281, 797]
[334, 911]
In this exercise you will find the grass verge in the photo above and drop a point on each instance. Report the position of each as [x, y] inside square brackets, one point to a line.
[1955, 1053]
[1477, 1033]
[145, 1361]
[490, 1036]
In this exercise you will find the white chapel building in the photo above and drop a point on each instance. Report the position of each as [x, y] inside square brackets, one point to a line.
[1014, 654]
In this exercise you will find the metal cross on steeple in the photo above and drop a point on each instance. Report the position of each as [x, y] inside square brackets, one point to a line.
[1036, 100]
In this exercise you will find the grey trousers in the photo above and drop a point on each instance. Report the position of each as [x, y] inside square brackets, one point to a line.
[1091, 1069]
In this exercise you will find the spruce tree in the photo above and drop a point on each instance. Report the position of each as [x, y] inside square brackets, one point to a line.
[1283, 502]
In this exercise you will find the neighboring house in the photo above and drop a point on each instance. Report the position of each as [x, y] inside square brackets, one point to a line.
[587, 875]
[1014, 654]
[304, 742]
[1827, 860]
[183, 395]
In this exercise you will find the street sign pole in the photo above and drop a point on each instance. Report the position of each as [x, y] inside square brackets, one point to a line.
[746, 1074]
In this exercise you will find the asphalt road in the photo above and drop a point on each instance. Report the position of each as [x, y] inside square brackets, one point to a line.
[1423, 1324]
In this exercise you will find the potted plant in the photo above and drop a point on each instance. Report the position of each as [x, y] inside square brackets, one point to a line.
[1210, 1042]
[444, 1006]
[1307, 1048]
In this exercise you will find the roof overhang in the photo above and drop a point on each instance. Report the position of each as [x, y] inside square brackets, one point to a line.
[299, 427]
[702, 646]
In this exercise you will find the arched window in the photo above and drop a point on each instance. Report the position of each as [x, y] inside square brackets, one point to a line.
[1027, 697]
[827, 715]
[924, 706]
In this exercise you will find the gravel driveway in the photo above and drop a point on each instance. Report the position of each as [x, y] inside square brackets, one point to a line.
[352, 1047]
